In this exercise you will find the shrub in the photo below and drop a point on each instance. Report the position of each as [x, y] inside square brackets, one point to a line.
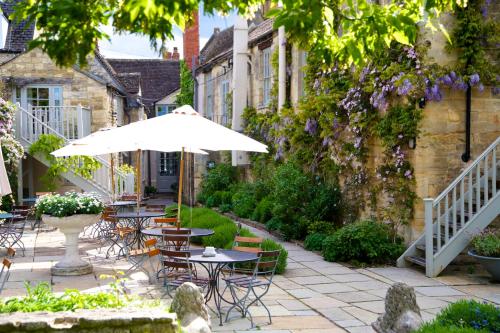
[244, 201]
[325, 202]
[321, 227]
[470, 313]
[219, 198]
[219, 178]
[290, 193]
[364, 242]
[487, 244]
[314, 242]
[438, 328]
[263, 212]
[224, 208]
[270, 245]
[223, 236]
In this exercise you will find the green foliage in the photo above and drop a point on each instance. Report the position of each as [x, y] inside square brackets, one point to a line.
[363, 242]
[270, 245]
[220, 178]
[350, 31]
[225, 231]
[186, 93]
[263, 210]
[321, 227]
[243, 201]
[465, 316]
[41, 298]
[83, 166]
[487, 244]
[150, 190]
[219, 198]
[314, 242]
[70, 203]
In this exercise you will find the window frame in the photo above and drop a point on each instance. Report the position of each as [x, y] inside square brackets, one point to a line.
[267, 75]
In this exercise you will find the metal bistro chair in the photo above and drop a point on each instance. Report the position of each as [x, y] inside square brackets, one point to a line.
[4, 272]
[174, 239]
[139, 257]
[12, 231]
[165, 222]
[253, 287]
[177, 269]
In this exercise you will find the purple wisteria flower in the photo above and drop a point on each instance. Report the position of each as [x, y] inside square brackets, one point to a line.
[311, 126]
[408, 174]
[405, 88]
[433, 93]
[460, 84]
[357, 142]
[474, 79]
[447, 80]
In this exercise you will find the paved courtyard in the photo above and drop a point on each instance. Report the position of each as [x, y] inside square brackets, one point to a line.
[313, 296]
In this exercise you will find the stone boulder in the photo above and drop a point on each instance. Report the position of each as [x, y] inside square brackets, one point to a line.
[402, 314]
[191, 310]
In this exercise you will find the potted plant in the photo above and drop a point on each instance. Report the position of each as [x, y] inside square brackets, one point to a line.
[486, 249]
[70, 213]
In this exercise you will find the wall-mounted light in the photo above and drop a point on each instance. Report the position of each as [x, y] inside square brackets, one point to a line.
[412, 143]
[421, 102]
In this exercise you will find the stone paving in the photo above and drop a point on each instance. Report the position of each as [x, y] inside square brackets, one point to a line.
[313, 296]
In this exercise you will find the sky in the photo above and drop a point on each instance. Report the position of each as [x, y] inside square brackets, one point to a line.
[135, 46]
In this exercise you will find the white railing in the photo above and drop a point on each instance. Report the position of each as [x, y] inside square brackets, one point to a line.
[70, 123]
[453, 212]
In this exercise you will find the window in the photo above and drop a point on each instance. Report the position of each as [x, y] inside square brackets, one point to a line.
[224, 95]
[162, 109]
[266, 75]
[209, 107]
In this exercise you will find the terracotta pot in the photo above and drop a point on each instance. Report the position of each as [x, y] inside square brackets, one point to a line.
[71, 226]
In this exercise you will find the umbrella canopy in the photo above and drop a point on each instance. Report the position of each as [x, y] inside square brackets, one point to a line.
[4, 180]
[184, 129]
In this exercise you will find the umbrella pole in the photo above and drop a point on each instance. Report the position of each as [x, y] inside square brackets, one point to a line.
[179, 196]
[138, 180]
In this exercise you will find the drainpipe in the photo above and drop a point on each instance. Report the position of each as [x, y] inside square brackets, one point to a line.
[281, 67]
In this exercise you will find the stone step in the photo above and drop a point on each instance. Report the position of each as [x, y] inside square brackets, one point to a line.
[416, 260]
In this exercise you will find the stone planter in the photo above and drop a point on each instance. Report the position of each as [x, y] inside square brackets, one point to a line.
[491, 264]
[71, 226]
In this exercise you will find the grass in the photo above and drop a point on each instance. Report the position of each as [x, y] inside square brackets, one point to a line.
[224, 231]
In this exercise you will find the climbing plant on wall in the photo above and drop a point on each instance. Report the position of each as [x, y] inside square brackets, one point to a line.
[348, 110]
[186, 93]
[83, 166]
[12, 150]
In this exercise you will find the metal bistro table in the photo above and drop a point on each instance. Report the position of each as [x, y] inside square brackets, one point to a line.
[195, 232]
[121, 204]
[137, 220]
[214, 266]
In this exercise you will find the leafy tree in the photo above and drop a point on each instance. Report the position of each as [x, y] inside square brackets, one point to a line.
[348, 30]
[186, 94]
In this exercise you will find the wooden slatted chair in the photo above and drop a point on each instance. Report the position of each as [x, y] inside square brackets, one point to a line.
[177, 269]
[249, 290]
[165, 222]
[140, 257]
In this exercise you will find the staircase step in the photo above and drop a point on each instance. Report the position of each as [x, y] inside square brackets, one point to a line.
[416, 260]
[421, 247]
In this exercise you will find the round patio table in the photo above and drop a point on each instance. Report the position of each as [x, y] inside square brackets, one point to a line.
[214, 266]
[137, 220]
[121, 204]
[195, 232]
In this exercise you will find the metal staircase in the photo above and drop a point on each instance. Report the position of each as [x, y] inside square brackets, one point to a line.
[69, 123]
[467, 206]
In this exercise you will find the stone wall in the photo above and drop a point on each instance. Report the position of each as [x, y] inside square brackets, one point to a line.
[82, 321]
[78, 88]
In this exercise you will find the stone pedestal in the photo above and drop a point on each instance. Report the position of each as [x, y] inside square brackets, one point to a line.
[71, 226]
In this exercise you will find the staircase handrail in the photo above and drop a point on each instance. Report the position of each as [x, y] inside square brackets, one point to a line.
[464, 173]
[51, 130]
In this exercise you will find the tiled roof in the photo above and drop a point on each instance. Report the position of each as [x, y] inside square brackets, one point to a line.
[158, 77]
[261, 30]
[18, 34]
[218, 43]
[131, 82]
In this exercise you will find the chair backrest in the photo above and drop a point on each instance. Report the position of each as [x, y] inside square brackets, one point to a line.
[267, 263]
[240, 244]
[177, 242]
[175, 231]
[150, 245]
[166, 222]
[11, 252]
[176, 259]
[129, 197]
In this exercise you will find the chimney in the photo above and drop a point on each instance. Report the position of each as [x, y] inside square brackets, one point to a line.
[167, 55]
[175, 54]
[192, 41]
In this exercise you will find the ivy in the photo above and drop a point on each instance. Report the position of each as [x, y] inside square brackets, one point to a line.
[186, 93]
[82, 166]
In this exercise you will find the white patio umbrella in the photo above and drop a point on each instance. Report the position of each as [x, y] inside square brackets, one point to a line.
[4, 179]
[182, 130]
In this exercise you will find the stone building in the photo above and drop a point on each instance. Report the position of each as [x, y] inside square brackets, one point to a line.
[72, 102]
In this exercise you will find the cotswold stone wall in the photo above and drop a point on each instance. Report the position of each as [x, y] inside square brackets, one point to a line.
[99, 321]
[78, 88]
